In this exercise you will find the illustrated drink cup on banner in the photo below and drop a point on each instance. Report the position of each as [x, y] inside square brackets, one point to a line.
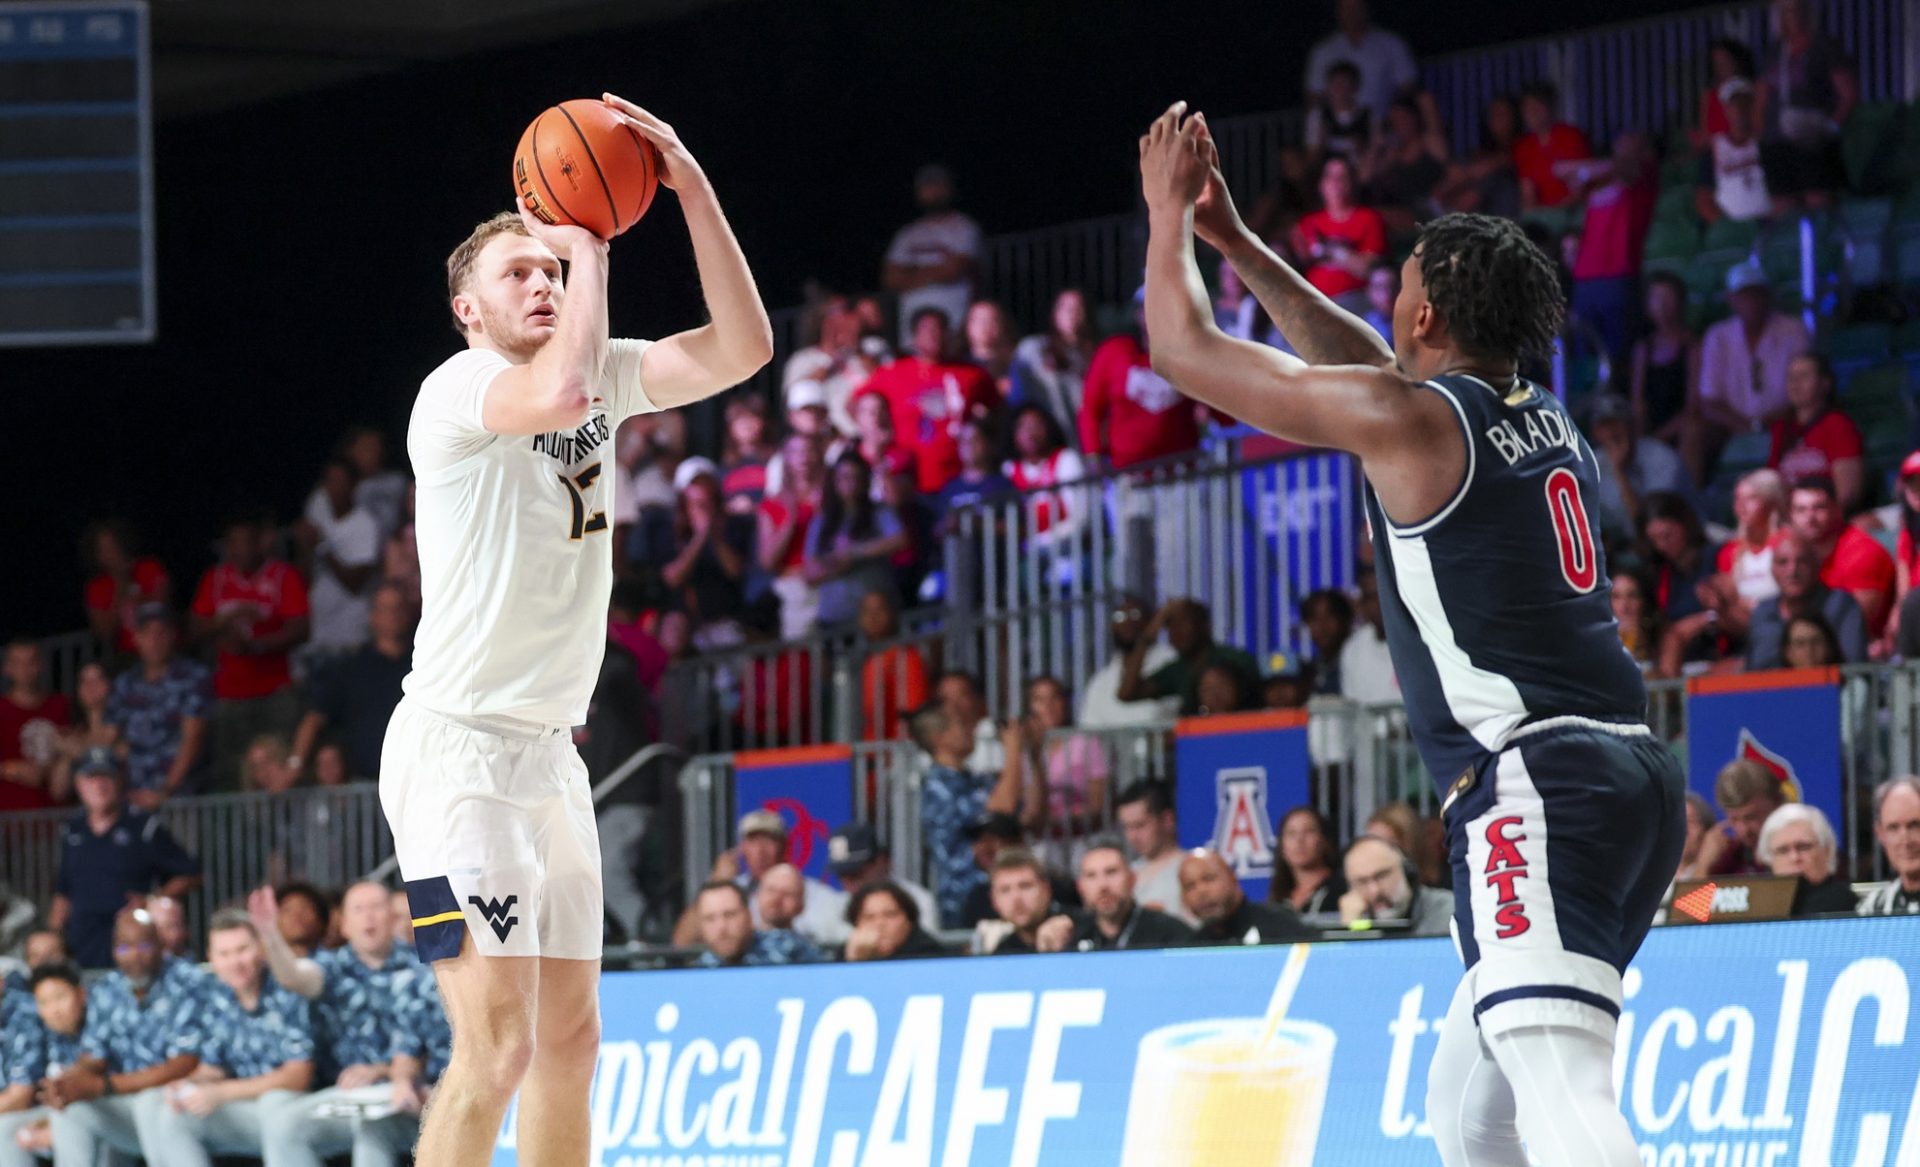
[1210, 1094]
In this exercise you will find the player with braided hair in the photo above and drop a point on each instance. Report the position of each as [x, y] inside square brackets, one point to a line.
[1564, 814]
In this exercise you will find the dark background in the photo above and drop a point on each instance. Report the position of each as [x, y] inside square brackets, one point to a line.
[302, 241]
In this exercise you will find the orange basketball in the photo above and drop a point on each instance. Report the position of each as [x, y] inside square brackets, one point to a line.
[579, 163]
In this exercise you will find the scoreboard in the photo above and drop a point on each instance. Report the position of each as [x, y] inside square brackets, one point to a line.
[76, 174]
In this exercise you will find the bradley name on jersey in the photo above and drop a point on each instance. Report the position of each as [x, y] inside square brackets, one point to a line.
[573, 447]
[1543, 429]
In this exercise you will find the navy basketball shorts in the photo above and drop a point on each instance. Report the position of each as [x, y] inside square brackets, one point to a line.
[1562, 845]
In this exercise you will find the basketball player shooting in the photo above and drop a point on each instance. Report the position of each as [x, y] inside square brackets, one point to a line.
[1563, 813]
[492, 819]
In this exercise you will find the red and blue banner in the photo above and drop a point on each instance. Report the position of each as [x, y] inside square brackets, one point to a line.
[1238, 773]
[810, 787]
[1788, 720]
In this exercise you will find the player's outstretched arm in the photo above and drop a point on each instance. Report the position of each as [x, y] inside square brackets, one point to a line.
[1369, 410]
[1321, 331]
[737, 340]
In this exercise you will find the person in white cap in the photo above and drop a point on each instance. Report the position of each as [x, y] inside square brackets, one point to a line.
[1743, 367]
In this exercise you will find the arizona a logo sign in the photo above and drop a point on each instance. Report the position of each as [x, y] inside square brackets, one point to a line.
[1243, 825]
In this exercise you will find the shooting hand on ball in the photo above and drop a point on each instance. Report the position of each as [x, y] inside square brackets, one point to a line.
[1173, 170]
[563, 239]
[681, 172]
[1215, 219]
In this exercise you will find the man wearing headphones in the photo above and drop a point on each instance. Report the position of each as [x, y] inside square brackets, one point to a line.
[1384, 886]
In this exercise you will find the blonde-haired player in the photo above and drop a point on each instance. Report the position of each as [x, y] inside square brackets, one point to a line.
[511, 442]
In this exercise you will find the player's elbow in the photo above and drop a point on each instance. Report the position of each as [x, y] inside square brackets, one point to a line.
[752, 352]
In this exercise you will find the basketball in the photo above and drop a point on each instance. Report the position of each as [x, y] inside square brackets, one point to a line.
[579, 163]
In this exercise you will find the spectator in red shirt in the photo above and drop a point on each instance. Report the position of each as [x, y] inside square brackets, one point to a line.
[1340, 241]
[253, 610]
[1815, 439]
[1851, 560]
[1539, 157]
[784, 518]
[121, 583]
[31, 722]
[1130, 414]
[928, 396]
[893, 680]
[1906, 560]
[1606, 273]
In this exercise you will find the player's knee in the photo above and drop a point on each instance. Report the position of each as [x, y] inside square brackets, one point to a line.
[575, 1041]
[495, 1057]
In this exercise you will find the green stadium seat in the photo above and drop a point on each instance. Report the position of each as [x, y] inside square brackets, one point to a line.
[1869, 143]
[1730, 235]
[1671, 240]
[1876, 399]
[1746, 452]
[1675, 205]
[1858, 346]
[1864, 217]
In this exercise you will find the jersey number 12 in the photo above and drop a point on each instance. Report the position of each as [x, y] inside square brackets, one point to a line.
[1579, 562]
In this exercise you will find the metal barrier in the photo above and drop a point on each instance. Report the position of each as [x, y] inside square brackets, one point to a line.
[66, 654]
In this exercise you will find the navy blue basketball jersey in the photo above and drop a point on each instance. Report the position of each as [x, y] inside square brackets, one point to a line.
[1496, 606]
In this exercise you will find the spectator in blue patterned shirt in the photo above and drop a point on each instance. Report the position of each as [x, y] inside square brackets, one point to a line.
[422, 1045]
[142, 1033]
[951, 797]
[160, 707]
[42, 1041]
[356, 1007]
[727, 932]
[256, 1050]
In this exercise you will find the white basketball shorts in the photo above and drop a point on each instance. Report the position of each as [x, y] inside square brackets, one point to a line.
[493, 826]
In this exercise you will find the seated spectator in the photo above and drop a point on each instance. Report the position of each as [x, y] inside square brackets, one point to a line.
[1621, 192]
[354, 697]
[1328, 617]
[1223, 688]
[1307, 878]
[1100, 703]
[1727, 59]
[1814, 439]
[1810, 643]
[1809, 90]
[1681, 559]
[1746, 560]
[1062, 777]
[963, 696]
[144, 1031]
[1633, 467]
[160, 709]
[1385, 65]
[170, 925]
[1112, 920]
[1022, 893]
[708, 567]
[89, 728]
[1406, 162]
[1189, 628]
[833, 363]
[31, 721]
[857, 858]
[980, 478]
[121, 582]
[254, 610]
[1743, 369]
[111, 855]
[1224, 914]
[1340, 242]
[785, 517]
[1486, 183]
[893, 679]
[952, 797]
[1398, 823]
[1796, 572]
[1700, 823]
[988, 836]
[886, 925]
[1130, 414]
[649, 448]
[1747, 792]
[421, 1048]
[1732, 182]
[931, 262]
[1383, 291]
[1542, 153]
[743, 462]
[1896, 825]
[301, 918]
[874, 438]
[989, 337]
[1383, 888]
[1665, 363]
[1144, 811]
[39, 1042]
[851, 543]
[1337, 123]
[1639, 619]
[256, 1053]
[729, 938]
[340, 545]
[1798, 840]
[1851, 560]
[928, 395]
[1366, 667]
[1288, 685]
[1044, 469]
[1050, 368]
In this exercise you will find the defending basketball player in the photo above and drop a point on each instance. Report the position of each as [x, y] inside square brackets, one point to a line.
[492, 819]
[1563, 813]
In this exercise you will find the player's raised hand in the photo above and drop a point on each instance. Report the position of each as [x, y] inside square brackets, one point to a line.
[1215, 219]
[1173, 170]
[681, 171]
[563, 239]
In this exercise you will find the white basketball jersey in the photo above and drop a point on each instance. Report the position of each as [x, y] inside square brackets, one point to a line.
[516, 545]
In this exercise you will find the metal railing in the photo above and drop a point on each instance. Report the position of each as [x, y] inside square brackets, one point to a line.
[66, 654]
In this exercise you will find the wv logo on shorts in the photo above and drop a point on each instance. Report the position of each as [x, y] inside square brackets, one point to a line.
[496, 913]
[1242, 826]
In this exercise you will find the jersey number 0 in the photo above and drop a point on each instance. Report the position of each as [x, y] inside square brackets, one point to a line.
[577, 486]
[1578, 561]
